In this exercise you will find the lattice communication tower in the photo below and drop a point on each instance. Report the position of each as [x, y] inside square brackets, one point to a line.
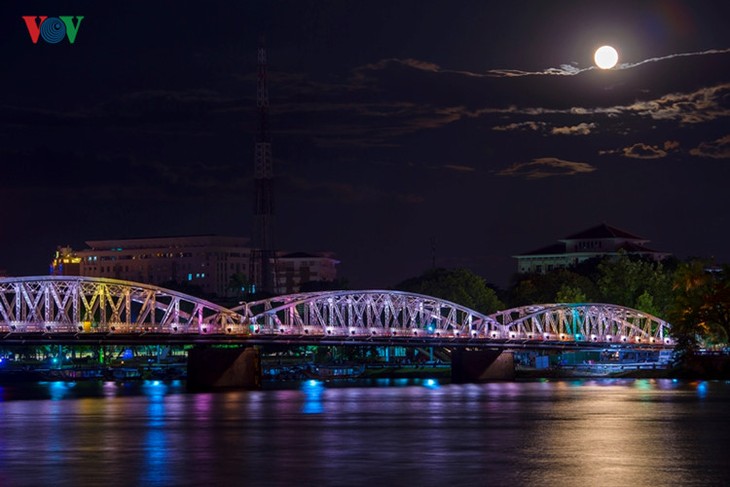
[263, 254]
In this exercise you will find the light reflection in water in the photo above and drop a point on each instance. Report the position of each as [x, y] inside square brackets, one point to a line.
[430, 383]
[313, 391]
[567, 433]
[59, 389]
[156, 445]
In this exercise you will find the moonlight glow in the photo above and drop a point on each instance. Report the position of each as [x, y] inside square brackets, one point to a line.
[606, 57]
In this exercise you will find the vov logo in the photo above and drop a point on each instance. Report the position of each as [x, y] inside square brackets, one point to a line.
[53, 29]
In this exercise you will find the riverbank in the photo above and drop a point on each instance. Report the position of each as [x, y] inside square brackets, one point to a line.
[87, 373]
[698, 368]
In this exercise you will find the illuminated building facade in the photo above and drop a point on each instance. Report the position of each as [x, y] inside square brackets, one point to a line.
[600, 241]
[206, 261]
[65, 263]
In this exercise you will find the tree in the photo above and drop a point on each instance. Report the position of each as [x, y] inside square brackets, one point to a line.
[570, 294]
[645, 302]
[557, 286]
[700, 314]
[718, 302]
[459, 286]
[635, 283]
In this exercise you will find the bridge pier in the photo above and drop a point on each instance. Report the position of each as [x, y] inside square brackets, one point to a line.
[223, 368]
[481, 365]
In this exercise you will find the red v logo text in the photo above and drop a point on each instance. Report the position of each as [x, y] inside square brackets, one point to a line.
[33, 29]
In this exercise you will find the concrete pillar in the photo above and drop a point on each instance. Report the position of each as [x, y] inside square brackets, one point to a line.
[221, 368]
[481, 365]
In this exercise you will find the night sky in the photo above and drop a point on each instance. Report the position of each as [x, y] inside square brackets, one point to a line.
[481, 127]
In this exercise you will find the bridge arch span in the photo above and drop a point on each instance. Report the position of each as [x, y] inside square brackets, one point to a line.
[65, 304]
[366, 313]
[584, 322]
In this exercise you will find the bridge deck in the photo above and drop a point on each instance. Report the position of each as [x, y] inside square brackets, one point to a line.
[146, 338]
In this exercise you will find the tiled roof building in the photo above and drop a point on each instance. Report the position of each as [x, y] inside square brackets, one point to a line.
[600, 241]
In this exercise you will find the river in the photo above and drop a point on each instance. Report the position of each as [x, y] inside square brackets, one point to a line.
[610, 432]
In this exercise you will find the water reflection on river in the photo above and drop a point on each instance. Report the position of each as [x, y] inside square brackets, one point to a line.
[398, 432]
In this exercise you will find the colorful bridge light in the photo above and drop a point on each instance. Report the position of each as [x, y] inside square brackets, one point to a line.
[331, 313]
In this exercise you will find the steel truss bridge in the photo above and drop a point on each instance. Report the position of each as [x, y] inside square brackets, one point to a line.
[84, 310]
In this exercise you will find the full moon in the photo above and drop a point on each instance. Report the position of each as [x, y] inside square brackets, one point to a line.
[606, 57]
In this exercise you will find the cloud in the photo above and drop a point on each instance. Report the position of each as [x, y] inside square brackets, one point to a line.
[717, 149]
[686, 103]
[562, 70]
[570, 70]
[672, 56]
[529, 125]
[671, 145]
[459, 168]
[644, 151]
[383, 101]
[546, 167]
[702, 105]
[360, 73]
[580, 129]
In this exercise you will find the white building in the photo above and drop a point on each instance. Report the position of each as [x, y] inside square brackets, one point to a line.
[600, 241]
[207, 261]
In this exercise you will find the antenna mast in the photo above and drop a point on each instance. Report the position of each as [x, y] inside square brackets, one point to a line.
[262, 254]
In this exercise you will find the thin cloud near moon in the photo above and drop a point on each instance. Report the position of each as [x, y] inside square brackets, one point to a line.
[569, 70]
